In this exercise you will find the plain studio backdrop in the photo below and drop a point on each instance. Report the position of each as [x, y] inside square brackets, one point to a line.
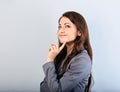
[28, 27]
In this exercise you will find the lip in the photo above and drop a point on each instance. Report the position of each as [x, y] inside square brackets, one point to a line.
[62, 35]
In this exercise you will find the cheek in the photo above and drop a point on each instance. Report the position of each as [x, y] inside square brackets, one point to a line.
[73, 36]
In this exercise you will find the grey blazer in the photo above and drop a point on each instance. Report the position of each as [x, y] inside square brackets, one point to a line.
[74, 79]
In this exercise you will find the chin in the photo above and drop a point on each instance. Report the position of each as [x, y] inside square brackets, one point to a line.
[67, 42]
[62, 41]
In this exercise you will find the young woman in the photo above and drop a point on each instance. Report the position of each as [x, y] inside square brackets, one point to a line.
[68, 64]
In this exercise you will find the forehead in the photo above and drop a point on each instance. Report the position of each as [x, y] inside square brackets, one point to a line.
[64, 20]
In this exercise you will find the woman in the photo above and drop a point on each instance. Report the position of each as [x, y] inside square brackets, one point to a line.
[68, 67]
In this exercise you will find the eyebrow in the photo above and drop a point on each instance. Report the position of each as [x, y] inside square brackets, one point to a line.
[65, 23]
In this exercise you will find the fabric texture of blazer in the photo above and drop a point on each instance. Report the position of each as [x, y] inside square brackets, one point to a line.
[74, 79]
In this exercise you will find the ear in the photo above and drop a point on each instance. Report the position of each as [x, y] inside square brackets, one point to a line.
[79, 33]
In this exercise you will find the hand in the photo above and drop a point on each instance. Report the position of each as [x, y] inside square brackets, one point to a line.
[54, 51]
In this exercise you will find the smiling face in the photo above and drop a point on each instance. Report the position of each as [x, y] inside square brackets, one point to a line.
[67, 31]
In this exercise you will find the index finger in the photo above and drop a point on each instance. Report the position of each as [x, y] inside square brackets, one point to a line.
[61, 47]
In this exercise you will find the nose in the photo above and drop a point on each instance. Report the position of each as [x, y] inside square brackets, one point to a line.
[62, 30]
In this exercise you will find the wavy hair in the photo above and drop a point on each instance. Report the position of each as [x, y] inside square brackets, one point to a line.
[79, 43]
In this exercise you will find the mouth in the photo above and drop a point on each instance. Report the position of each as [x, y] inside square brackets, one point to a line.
[62, 35]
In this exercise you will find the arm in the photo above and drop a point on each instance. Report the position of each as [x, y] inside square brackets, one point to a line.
[79, 68]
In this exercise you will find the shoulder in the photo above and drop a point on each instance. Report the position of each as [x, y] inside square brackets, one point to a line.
[81, 60]
[83, 55]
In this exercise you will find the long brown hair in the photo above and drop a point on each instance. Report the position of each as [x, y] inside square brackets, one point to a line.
[80, 42]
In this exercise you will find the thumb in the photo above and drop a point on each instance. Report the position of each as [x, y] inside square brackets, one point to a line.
[62, 46]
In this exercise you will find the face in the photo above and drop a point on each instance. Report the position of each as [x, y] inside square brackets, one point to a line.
[67, 31]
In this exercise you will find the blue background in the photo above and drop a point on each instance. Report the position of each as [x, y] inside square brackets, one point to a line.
[28, 27]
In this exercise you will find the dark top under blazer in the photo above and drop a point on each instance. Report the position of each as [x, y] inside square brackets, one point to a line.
[74, 79]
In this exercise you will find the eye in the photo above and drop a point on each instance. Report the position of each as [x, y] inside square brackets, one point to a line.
[67, 26]
[59, 27]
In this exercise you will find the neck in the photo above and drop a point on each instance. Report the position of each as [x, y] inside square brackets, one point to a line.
[69, 48]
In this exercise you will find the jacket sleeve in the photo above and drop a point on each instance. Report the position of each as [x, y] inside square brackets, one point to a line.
[79, 68]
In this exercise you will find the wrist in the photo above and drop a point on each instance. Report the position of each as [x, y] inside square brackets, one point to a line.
[49, 60]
